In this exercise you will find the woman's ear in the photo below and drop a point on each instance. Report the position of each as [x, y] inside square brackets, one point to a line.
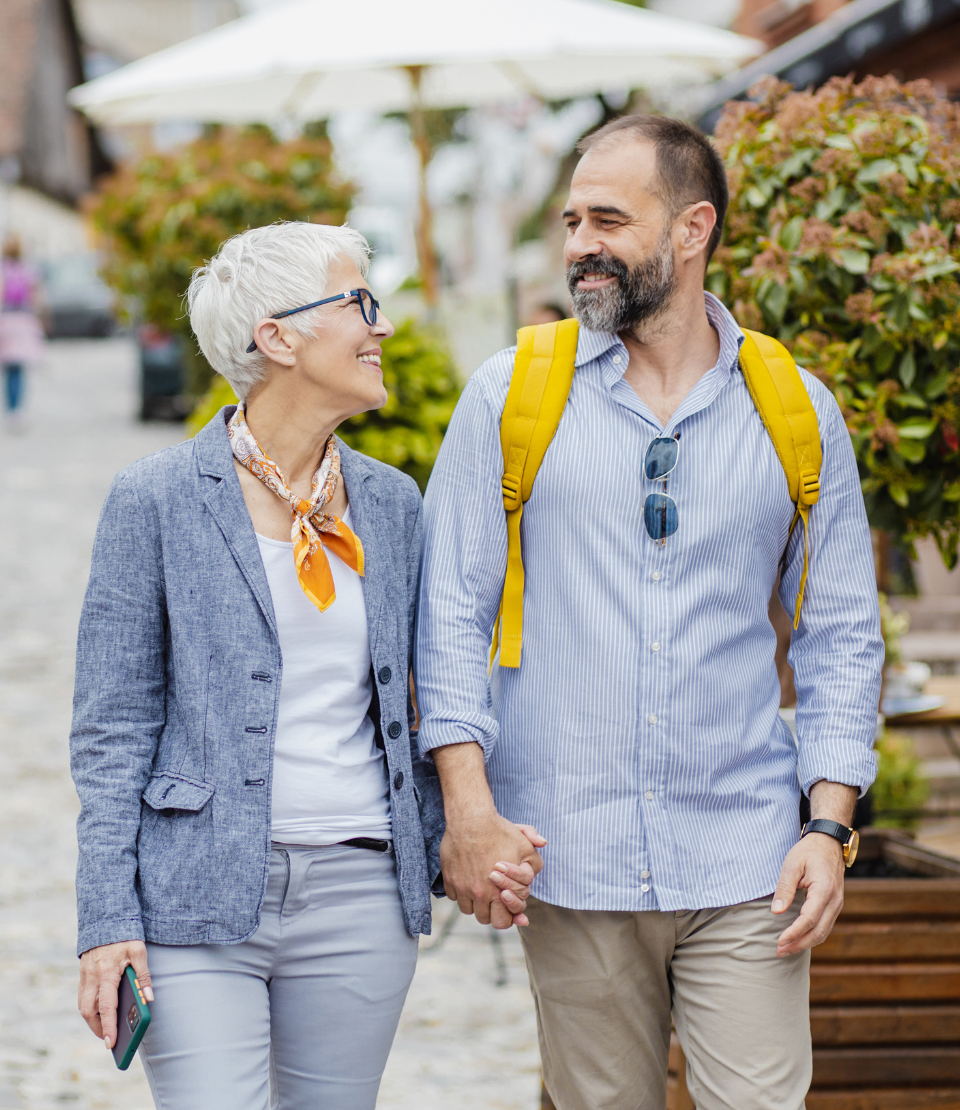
[274, 340]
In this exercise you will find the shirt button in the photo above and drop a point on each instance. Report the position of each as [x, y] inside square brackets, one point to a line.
[645, 887]
[656, 576]
[385, 675]
[394, 729]
[398, 780]
[655, 646]
[652, 718]
[649, 795]
[617, 360]
[644, 874]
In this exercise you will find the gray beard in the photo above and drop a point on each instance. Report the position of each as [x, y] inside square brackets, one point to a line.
[637, 297]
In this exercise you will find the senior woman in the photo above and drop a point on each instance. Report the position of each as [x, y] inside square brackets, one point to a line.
[253, 805]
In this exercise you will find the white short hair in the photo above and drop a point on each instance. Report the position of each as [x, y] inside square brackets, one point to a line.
[255, 274]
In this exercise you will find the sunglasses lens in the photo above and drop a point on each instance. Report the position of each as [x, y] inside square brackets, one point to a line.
[660, 516]
[661, 457]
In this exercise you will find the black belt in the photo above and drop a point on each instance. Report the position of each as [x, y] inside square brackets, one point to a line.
[367, 842]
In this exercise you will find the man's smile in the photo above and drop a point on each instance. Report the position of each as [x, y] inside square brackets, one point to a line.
[595, 281]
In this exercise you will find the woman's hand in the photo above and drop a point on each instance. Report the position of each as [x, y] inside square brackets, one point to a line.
[514, 879]
[100, 972]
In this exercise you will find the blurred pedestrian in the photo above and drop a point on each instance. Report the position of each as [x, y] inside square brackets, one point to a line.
[640, 731]
[547, 313]
[21, 333]
[258, 835]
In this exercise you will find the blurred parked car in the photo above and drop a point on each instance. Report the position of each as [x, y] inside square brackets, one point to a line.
[161, 375]
[79, 304]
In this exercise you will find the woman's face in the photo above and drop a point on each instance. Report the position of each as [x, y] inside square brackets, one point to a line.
[339, 366]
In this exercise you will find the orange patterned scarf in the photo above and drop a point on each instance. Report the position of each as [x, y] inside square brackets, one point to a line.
[312, 527]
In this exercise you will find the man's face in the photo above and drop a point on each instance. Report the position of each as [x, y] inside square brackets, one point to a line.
[619, 254]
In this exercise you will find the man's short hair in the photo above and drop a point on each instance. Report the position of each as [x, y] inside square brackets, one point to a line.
[688, 167]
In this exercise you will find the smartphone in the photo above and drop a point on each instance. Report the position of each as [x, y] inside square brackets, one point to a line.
[133, 1017]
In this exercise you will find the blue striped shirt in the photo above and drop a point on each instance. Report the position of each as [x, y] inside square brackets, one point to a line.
[640, 734]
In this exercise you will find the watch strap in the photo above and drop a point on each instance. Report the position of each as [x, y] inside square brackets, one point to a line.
[831, 828]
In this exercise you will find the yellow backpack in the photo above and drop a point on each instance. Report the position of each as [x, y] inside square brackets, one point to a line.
[542, 376]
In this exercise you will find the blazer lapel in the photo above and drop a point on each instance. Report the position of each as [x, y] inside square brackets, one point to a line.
[229, 510]
[365, 514]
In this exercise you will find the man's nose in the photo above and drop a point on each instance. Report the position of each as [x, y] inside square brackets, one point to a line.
[582, 244]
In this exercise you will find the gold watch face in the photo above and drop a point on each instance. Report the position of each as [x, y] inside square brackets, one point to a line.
[851, 848]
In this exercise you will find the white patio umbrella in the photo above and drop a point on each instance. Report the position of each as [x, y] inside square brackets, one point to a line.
[307, 59]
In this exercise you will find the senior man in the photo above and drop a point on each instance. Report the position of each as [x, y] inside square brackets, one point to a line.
[640, 733]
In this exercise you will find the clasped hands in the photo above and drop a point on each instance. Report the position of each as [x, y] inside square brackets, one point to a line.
[488, 865]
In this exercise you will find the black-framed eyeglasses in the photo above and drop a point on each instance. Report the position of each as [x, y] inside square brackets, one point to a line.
[368, 309]
[659, 510]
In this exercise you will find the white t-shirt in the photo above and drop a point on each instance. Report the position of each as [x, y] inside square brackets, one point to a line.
[329, 777]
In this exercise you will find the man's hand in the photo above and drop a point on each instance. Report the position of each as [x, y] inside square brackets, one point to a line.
[815, 865]
[488, 862]
[100, 972]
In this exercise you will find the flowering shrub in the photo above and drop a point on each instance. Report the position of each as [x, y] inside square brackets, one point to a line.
[165, 215]
[422, 391]
[842, 241]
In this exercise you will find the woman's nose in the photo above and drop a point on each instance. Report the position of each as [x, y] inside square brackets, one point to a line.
[382, 327]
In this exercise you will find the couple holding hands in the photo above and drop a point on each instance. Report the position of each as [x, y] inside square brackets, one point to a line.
[262, 824]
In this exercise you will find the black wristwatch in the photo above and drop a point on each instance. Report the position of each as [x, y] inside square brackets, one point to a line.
[849, 838]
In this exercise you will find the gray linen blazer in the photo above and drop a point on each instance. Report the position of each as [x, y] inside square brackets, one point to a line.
[177, 686]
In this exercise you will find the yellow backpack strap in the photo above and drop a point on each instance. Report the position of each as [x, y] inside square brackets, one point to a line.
[788, 415]
[542, 375]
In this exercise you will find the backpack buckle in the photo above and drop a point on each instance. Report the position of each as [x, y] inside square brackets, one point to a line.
[809, 487]
[510, 485]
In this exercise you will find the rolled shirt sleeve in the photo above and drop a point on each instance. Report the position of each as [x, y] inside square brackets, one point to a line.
[464, 563]
[837, 652]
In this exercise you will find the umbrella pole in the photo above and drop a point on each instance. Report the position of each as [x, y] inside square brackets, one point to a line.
[425, 252]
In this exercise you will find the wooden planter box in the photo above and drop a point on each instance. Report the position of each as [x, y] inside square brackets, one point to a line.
[884, 988]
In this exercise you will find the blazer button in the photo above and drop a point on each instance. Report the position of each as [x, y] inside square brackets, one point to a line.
[385, 675]
[394, 729]
[398, 780]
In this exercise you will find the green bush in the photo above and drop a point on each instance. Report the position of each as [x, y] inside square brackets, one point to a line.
[160, 218]
[422, 388]
[900, 788]
[842, 240]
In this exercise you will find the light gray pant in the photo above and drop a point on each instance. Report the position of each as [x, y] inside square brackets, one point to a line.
[302, 1015]
[605, 983]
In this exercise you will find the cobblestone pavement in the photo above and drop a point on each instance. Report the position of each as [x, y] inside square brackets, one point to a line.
[464, 1041]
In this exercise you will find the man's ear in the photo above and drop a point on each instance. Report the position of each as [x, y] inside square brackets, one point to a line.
[695, 225]
[273, 340]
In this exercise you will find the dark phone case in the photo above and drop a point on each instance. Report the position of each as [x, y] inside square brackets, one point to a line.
[133, 1017]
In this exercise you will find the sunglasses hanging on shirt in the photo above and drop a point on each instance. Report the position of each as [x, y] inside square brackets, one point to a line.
[659, 510]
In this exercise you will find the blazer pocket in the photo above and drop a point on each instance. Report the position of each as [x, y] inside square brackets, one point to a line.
[170, 791]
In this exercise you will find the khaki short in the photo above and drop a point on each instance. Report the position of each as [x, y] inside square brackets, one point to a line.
[606, 983]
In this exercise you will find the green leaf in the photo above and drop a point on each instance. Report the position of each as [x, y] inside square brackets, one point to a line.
[840, 142]
[911, 450]
[908, 368]
[910, 401]
[791, 233]
[900, 495]
[900, 311]
[754, 197]
[855, 262]
[775, 302]
[871, 173]
[909, 168]
[795, 164]
[937, 384]
[916, 428]
[884, 360]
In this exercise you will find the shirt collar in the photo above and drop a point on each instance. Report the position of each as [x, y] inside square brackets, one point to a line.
[592, 345]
